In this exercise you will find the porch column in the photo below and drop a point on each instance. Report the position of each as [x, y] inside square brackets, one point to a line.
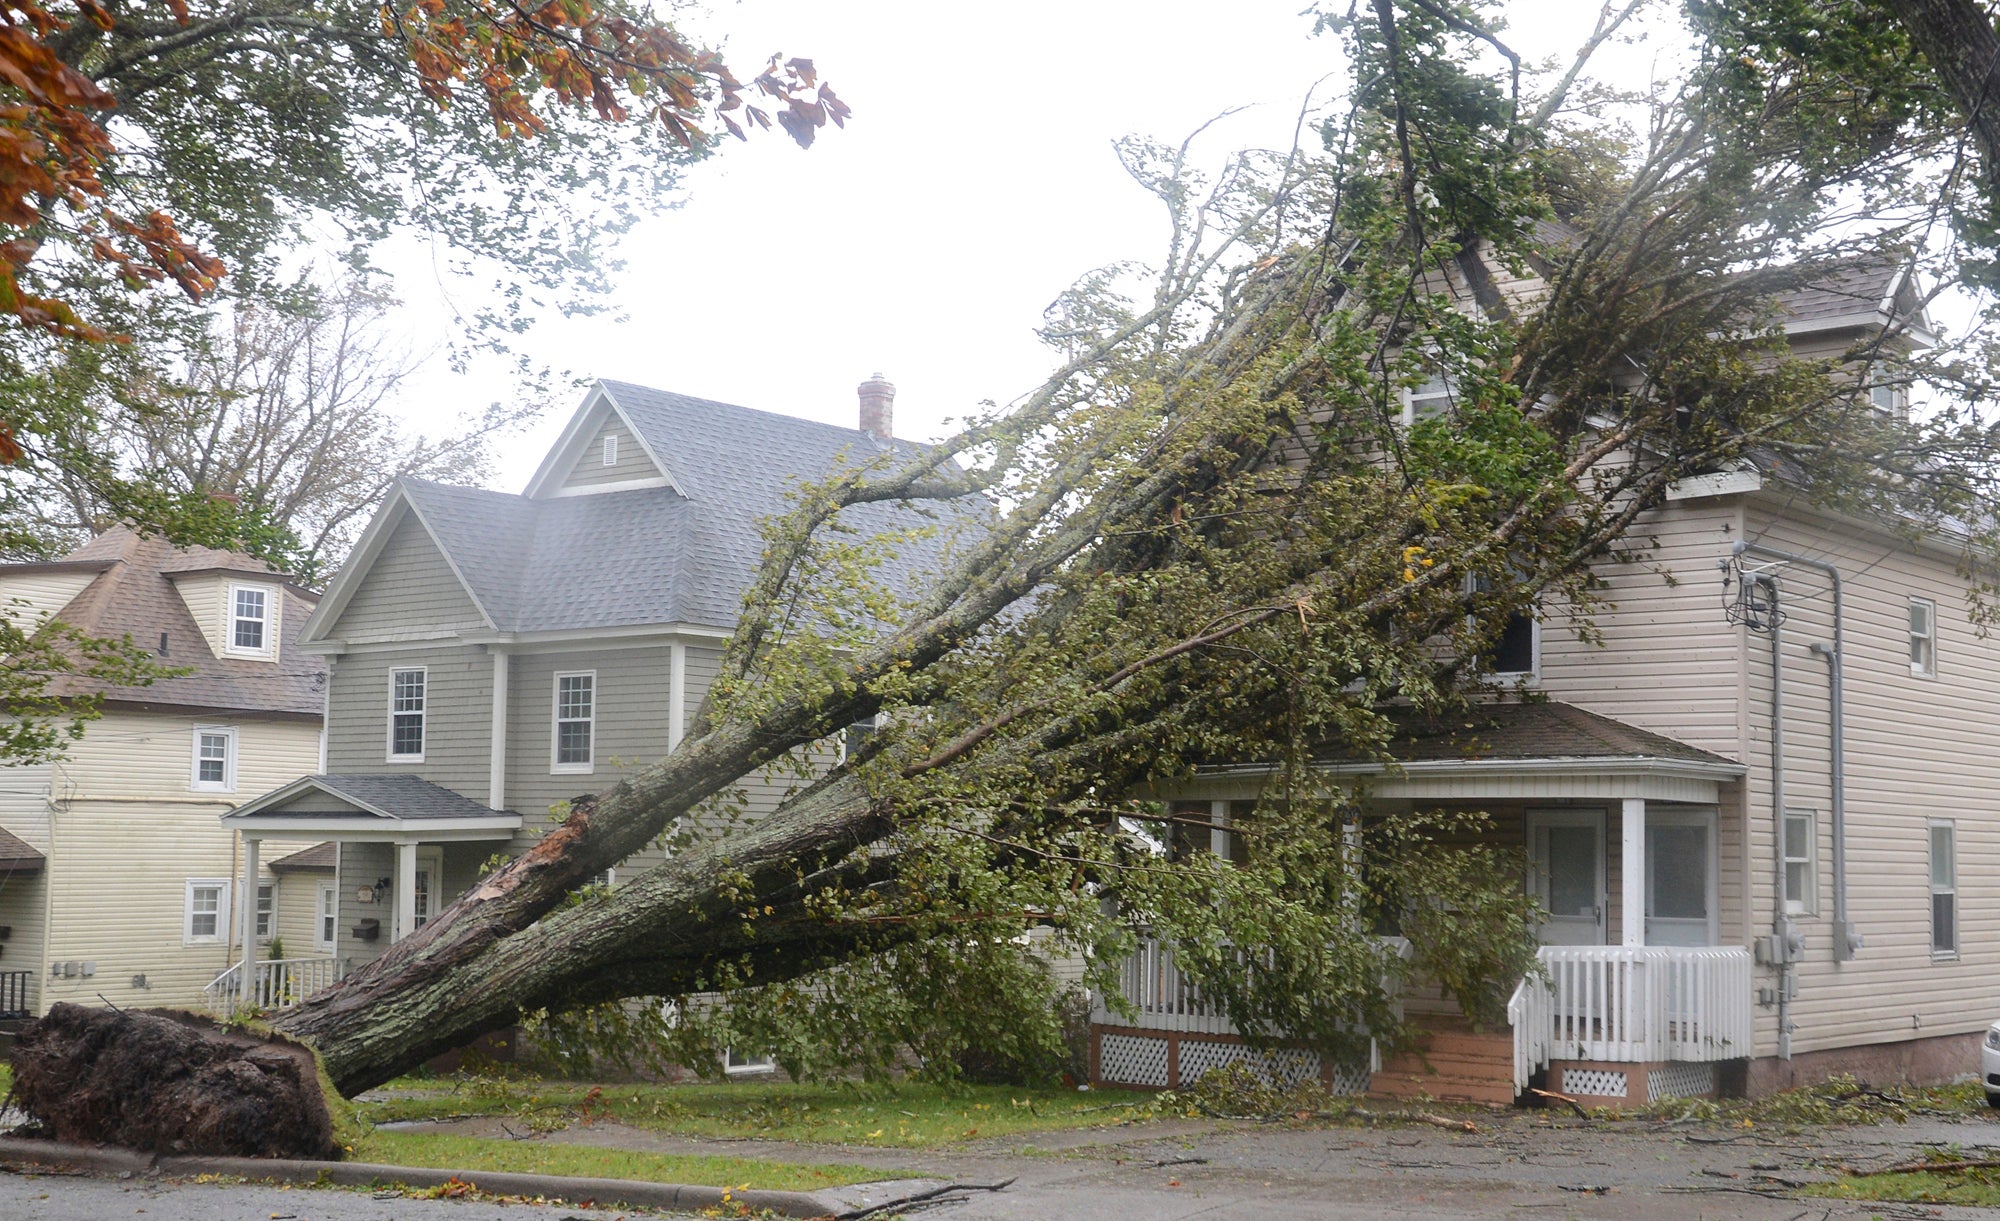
[406, 889]
[246, 923]
[1632, 828]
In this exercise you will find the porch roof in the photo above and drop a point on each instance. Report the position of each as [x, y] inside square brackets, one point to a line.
[328, 807]
[16, 855]
[1546, 749]
[321, 857]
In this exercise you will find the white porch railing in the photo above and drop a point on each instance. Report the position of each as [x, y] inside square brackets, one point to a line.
[1166, 999]
[1631, 1004]
[277, 983]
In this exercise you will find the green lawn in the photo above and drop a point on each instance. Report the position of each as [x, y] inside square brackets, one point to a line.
[906, 1115]
[442, 1151]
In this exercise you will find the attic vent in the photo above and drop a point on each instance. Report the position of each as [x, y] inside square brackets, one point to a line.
[611, 449]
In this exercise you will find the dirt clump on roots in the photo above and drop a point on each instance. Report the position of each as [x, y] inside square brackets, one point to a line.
[170, 1083]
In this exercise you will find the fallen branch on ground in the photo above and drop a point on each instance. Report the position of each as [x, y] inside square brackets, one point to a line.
[1572, 1103]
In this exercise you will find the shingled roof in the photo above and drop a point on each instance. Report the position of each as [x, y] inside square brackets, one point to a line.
[16, 856]
[133, 595]
[1545, 730]
[680, 554]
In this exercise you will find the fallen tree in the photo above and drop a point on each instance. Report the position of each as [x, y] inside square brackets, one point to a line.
[1213, 534]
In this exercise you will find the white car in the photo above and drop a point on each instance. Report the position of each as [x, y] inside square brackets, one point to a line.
[1989, 1065]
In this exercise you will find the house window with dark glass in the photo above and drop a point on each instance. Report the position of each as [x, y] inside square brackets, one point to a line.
[1944, 889]
[1514, 649]
[576, 700]
[406, 714]
[248, 621]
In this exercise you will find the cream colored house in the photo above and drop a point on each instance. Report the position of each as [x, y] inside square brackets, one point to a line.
[1751, 881]
[116, 882]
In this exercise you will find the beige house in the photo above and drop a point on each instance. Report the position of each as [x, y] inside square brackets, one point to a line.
[1762, 851]
[116, 882]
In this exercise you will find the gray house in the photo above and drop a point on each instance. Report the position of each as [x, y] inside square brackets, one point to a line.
[492, 656]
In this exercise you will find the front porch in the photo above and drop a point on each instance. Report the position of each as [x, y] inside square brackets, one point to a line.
[1610, 1025]
[1632, 841]
[402, 848]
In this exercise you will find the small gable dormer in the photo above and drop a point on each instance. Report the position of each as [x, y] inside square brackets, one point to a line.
[599, 451]
[239, 612]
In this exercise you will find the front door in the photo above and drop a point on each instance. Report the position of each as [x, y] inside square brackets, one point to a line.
[1566, 872]
[1680, 877]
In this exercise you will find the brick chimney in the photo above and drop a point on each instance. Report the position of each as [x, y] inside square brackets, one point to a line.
[878, 401]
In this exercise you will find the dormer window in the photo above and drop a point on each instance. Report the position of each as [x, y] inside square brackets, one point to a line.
[250, 620]
[611, 449]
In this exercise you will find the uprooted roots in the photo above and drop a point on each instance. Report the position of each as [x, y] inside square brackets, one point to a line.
[169, 1083]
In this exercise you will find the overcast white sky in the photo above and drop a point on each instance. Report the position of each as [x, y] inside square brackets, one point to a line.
[975, 182]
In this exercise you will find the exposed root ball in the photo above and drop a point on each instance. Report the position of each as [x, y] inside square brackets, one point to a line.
[169, 1083]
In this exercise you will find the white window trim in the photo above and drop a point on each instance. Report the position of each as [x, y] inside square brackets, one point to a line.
[271, 929]
[229, 646]
[320, 895]
[228, 783]
[1917, 668]
[430, 861]
[389, 737]
[1410, 394]
[222, 889]
[1932, 890]
[1532, 676]
[1808, 904]
[746, 1066]
[611, 449]
[555, 724]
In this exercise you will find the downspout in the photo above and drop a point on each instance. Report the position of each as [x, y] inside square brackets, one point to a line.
[1781, 924]
[1845, 939]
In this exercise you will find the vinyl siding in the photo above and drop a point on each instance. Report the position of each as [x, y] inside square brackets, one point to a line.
[589, 470]
[125, 819]
[458, 712]
[31, 598]
[298, 900]
[408, 593]
[203, 597]
[364, 865]
[23, 911]
[1917, 748]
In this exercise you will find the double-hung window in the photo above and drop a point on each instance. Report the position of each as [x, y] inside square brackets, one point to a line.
[1944, 888]
[406, 715]
[267, 909]
[1431, 399]
[1801, 862]
[214, 767]
[1516, 651]
[1923, 637]
[205, 913]
[249, 619]
[575, 721]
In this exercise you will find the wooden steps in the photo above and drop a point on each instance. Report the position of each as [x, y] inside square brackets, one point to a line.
[1452, 1063]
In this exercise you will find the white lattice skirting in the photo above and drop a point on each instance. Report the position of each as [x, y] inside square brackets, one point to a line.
[1126, 1059]
[1680, 1081]
[1132, 1060]
[1595, 1082]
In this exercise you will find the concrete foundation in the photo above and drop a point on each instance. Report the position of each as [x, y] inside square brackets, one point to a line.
[1929, 1061]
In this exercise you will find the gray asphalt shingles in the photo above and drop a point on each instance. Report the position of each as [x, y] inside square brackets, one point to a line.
[655, 555]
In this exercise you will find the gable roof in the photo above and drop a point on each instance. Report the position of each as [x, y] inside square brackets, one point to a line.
[133, 595]
[16, 855]
[1867, 291]
[679, 554]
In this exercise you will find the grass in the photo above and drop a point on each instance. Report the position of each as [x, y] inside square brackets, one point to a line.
[443, 1151]
[1840, 1100]
[1944, 1175]
[906, 1115]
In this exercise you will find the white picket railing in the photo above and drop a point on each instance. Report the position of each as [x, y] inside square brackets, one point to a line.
[1166, 999]
[1632, 1004]
[277, 983]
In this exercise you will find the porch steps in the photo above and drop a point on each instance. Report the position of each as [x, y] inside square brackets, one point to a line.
[1451, 1063]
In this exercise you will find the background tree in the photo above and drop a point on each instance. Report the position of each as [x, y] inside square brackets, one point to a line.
[281, 409]
[1211, 536]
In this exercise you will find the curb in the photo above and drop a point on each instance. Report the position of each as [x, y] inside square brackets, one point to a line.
[98, 1159]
